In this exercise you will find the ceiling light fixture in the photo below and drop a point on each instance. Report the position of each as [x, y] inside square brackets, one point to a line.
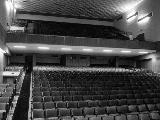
[107, 50]
[133, 16]
[66, 49]
[19, 47]
[125, 51]
[145, 18]
[87, 50]
[43, 48]
[143, 52]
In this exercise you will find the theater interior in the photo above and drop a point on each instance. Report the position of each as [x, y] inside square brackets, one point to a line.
[79, 60]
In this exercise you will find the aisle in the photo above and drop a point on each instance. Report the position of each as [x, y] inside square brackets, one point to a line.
[21, 110]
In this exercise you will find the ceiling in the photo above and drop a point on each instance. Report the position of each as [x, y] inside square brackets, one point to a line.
[90, 9]
[84, 50]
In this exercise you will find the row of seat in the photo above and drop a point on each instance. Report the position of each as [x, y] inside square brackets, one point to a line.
[98, 102]
[118, 90]
[124, 108]
[111, 95]
[79, 114]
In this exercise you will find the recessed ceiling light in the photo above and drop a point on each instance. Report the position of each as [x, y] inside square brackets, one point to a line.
[22, 47]
[125, 51]
[87, 50]
[43, 48]
[143, 52]
[107, 50]
[66, 49]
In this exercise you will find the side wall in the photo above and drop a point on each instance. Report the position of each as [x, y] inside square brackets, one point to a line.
[150, 28]
[5, 19]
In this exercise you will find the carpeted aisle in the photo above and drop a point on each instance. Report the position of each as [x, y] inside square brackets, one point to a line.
[21, 111]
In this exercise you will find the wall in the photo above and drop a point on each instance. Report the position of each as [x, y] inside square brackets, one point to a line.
[150, 28]
[47, 59]
[6, 14]
[77, 60]
[17, 59]
[37, 59]
[5, 17]
[101, 61]
[126, 62]
[150, 62]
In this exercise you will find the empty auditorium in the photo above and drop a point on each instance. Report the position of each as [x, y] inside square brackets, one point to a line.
[79, 59]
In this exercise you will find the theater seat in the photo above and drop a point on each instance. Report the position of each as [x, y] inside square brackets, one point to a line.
[61, 105]
[4, 107]
[77, 112]
[132, 109]
[49, 105]
[77, 98]
[152, 107]
[57, 98]
[155, 116]
[67, 98]
[37, 99]
[38, 114]
[92, 103]
[65, 113]
[103, 103]
[158, 106]
[4, 99]
[108, 117]
[48, 99]
[37, 105]
[122, 109]
[132, 117]
[82, 104]
[46, 93]
[121, 117]
[89, 112]
[144, 116]
[111, 110]
[51, 114]
[100, 111]
[95, 118]
[72, 104]
[142, 108]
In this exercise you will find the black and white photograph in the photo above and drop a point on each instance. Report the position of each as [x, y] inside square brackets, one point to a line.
[79, 59]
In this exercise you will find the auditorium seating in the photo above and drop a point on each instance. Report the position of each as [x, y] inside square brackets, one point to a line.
[14, 68]
[6, 96]
[95, 94]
